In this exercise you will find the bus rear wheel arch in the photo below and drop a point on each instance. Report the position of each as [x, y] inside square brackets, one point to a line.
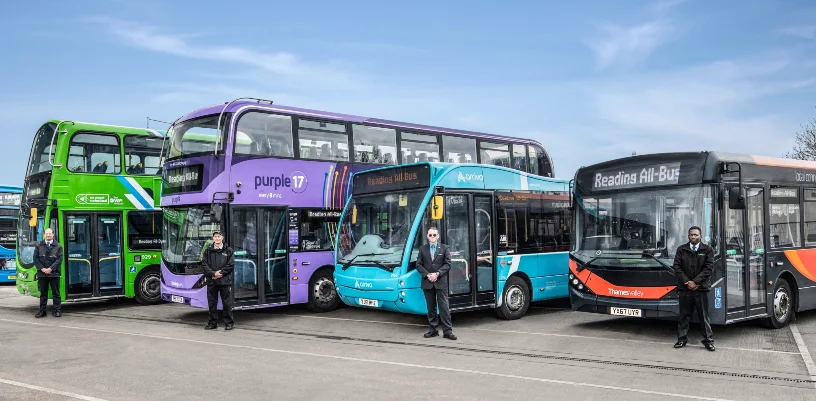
[322, 291]
[515, 299]
[784, 305]
[148, 286]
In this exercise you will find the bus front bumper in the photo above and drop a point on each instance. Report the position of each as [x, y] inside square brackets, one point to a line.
[668, 308]
[407, 300]
[194, 297]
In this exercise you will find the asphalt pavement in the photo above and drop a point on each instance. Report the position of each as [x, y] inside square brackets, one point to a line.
[119, 350]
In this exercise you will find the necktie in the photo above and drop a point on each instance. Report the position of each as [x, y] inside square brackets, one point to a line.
[433, 250]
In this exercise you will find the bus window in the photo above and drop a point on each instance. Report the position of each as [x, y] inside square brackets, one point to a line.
[495, 154]
[144, 230]
[142, 155]
[42, 150]
[532, 160]
[264, 134]
[322, 141]
[784, 221]
[459, 150]
[94, 153]
[196, 136]
[810, 217]
[317, 228]
[519, 157]
[375, 145]
[419, 148]
[544, 165]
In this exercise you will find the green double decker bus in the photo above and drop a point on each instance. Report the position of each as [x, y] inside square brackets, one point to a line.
[98, 187]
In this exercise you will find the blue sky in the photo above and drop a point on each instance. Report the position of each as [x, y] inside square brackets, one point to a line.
[591, 80]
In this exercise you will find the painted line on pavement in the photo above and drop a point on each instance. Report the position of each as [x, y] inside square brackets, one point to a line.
[803, 350]
[374, 361]
[50, 391]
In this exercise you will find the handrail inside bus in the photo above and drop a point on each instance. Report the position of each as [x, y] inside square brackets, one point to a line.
[54, 150]
[218, 126]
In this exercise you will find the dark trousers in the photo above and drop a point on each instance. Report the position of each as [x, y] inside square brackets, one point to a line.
[434, 297]
[43, 283]
[689, 302]
[226, 302]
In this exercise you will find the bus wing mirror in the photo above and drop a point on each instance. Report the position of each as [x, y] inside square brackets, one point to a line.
[437, 208]
[736, 198]
[33, 220]
[354, 214]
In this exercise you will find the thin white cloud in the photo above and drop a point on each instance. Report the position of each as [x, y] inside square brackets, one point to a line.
[802, 31]
[280, 63]
[627, 46]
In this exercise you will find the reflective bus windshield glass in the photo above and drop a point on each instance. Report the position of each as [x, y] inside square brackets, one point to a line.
[628, 230]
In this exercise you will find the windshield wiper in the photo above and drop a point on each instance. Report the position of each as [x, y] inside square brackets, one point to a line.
[659, 261]
[347, 264]
[380, 265]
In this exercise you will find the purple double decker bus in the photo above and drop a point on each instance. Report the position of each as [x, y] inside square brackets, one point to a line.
[274, 180]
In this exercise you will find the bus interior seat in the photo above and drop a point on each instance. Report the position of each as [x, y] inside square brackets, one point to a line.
[386, 158]
[325, 151]
[423, 157]
[410, 159]
[462, 159]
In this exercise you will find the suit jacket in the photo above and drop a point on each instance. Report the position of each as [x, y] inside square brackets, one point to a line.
[439, 263]
[45, 257]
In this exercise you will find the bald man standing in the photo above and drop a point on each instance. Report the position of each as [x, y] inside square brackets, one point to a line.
[47, 260]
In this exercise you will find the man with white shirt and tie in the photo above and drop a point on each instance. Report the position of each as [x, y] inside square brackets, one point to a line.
[693, 264]
[47, 260]
[433, 263]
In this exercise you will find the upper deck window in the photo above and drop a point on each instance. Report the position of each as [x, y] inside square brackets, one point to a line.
[41, 150]
[519, 157]
[143, 154]
[375, 145]
[322, 140]
[94, 153]
[532, 160]
[496, 154]
[419, 148]
[459, 150]
[264, 134]
[196, 136]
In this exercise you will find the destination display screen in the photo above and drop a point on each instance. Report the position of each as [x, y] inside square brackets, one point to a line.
[183, 179]
[144, 242]
[641, 176]
[392, 179]
[10, 199]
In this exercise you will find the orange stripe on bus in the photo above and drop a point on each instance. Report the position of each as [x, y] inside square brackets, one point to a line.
[602, 287]
[779, 162]
[804, 260]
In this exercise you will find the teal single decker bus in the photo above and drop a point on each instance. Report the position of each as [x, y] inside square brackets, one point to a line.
[508, 233]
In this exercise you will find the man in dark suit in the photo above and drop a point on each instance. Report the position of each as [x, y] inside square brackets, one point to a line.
[693, 264]
[47, 260]
[433, 263]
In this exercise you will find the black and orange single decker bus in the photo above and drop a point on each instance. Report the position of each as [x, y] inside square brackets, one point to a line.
[757, 212]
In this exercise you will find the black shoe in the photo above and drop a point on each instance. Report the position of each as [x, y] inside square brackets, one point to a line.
[450, 336]
[41, 314]
[58, 314]
[210, 327]
[680, 344]
[709, 346]
[228, 327]
[432, 333]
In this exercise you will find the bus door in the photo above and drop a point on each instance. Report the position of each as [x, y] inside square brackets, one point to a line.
[744, 257]
[259, 239]
[93, 253]
[467, 230]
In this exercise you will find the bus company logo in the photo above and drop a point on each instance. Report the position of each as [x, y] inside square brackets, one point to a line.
[362, 284]
[626, 293]
[469, 177]
[93, 199]
[116, 200]
[175, 284]
[805, 177]
[297, 182]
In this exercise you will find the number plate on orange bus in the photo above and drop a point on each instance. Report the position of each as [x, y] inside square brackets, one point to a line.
[625, 312]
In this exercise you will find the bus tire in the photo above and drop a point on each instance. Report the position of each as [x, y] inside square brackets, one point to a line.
[515, 299]
[322, 291]
[783, 305]
[148, 286]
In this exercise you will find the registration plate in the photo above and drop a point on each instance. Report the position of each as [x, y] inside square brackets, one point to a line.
[12, 277]
[625, 312]
[177, 299]
[368, 302]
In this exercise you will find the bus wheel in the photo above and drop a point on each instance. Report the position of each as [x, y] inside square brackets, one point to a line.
[322, 293]
[515, 299]
[148, 287]
[783, 305]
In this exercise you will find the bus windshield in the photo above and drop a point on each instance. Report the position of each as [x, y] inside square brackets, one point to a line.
[186, 232]
[41, 150]
[196, 136]
[641, 230]
[380, 231]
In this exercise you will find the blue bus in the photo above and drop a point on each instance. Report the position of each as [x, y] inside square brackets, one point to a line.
[508, 234]
[9, 214]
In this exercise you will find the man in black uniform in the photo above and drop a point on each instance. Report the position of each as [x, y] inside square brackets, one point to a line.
[47, 260]
[433, 263]
[693, 264]
[218, 263]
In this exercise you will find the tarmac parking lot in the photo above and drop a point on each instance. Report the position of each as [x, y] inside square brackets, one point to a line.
[119, 350]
